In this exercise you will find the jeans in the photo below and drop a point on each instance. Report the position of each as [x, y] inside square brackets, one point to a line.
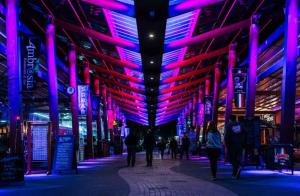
[173, 153]
[131, 155]
[149, 155]
[213, 156]
[184, 151]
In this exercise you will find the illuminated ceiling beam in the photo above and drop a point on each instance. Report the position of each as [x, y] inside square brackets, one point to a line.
[168, 108]
[125, 94]
[109, 4]
[96, 35]
[124, 86]
[133, 112]
[171, 110]
[178, 95]
[208, 35]
[115, 73]
[142, 109]
[109, 59]
[181, 86]
[194, 4]
[188, 74]
[176, 101]
[196, 59]
[122, 100]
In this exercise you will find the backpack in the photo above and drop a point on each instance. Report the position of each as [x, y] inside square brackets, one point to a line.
[236, 129]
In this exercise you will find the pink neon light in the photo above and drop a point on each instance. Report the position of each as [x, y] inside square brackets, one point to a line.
[194, 4]
[108, 4]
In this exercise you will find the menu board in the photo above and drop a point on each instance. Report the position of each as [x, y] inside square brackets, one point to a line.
[39, 143]
[63, 154]
[11, 168]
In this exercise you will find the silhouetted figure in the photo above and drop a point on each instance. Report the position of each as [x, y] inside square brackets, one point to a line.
[162, 147]
[131, 142]
[185, 146]
[214, 145]
[235, 141]
[149, 142]
[173, 147]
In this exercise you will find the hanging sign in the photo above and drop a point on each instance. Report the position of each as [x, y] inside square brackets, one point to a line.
[239, 80]
[30, 51]
[208, 107]
[83, 93]
[200, 113]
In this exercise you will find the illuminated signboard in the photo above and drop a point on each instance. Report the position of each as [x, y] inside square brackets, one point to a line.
[83, 92]
[39, 143]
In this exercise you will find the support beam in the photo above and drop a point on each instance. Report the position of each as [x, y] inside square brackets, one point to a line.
[52, 77]
[115, 74]
[188, 92]
[13, 77]
[122, 100]
[208, 35]
[74, 96]
[89, 128]
[125, 94]
[105, 121]
[98, 120]
[185, 85]
[109, 4]
[165, 104]
[253, 60]
[217, 79]
[196, 59]
[188, 74]
[109, 59]
[229, 88]
[124, 86]
[96, 35]
[191, 5]
[289, 72]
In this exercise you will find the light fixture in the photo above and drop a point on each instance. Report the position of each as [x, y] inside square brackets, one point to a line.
[151, 62]
[152, 89]
[151, 78]
[151, 35]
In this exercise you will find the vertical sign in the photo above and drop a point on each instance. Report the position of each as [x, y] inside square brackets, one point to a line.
[39, 143]
[63, 154]
[30, 51]
[83, 91]
[239, 86]
[200, 113]
[208, 107]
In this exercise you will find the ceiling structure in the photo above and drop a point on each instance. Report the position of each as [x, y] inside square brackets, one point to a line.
[152, 54]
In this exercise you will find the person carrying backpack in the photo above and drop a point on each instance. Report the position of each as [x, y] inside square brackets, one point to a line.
[235, 140]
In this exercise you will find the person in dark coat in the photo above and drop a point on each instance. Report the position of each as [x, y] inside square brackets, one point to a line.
[149, 142]
[131, 141]
[185, 146]
[162, 147]
[235, 140]
[173, 147]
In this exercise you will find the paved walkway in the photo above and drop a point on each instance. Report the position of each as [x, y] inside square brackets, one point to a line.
[160, 180]
[111, 177]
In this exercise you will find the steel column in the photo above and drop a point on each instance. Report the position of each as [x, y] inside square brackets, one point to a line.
[253, 60]
[13, 74]
[52, 76]
[289, 72]
[217, 79]
[89, 128]
[229, 89]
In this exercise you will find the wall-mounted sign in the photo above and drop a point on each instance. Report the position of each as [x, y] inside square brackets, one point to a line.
[208, 107]
[239, 80]
[83, 92]
[30, 51]
[70, 90]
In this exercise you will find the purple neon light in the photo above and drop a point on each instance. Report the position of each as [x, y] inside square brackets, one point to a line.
[108, 4]
[125, 27]
[178, 27]
[192, 4]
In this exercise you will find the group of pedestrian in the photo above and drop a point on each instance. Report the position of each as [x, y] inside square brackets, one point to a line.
[234, 141]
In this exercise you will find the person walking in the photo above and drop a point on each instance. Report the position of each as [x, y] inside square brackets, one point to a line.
[214, 146]
[185, 146]
[173, 147]
[162, 147]
[235, 139]
[149, 142]
[131, 142]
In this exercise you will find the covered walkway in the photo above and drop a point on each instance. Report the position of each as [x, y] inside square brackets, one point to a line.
[109, 176]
